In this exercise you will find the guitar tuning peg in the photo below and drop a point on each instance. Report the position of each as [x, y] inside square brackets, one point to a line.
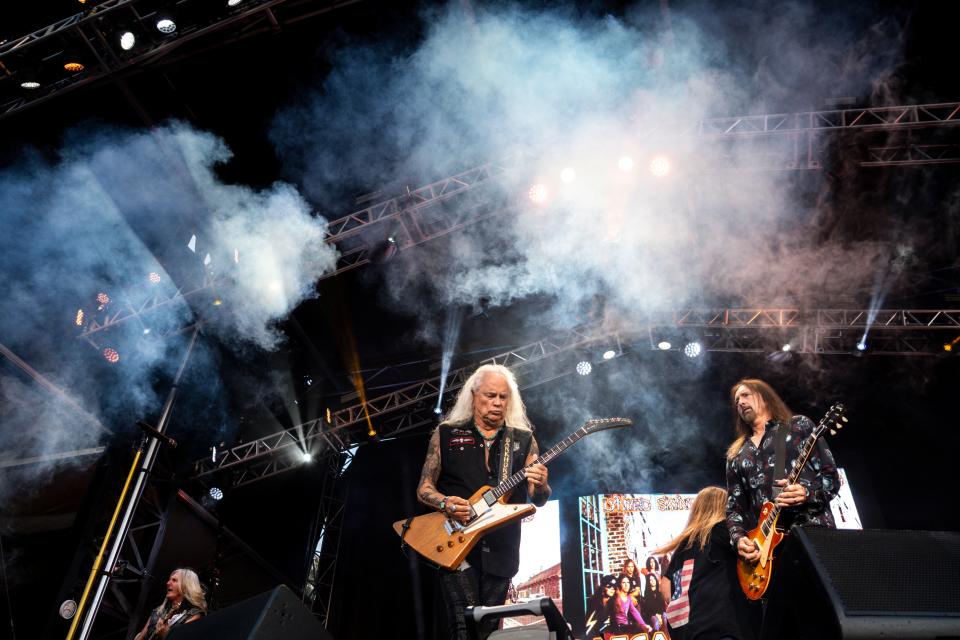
[844, 418]
[833, 432]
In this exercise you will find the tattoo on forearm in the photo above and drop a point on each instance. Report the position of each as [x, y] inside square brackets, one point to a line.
[427, 490]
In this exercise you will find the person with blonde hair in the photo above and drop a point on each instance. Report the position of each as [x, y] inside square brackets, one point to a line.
[183, 603]
[699, 583]
[485, 438]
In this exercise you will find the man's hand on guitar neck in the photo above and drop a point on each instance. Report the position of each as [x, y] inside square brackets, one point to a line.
[791, 495]
[748, 549]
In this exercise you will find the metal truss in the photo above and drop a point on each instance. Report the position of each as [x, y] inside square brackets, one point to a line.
[325, 536]
[909, 116]
[419, 215]
[911, 154]
[128, 310]
[407, 408]
[124, 598]
[902, 332]
[92, 28]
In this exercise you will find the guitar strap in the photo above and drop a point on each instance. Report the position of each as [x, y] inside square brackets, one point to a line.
[506, 454]
[779, 456]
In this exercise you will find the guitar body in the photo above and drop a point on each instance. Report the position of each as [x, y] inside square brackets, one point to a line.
[754, 577]
[445, 542]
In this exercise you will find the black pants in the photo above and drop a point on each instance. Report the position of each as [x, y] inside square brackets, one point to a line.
[462, 589]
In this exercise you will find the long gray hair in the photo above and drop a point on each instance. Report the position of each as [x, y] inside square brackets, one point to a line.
[462, 410]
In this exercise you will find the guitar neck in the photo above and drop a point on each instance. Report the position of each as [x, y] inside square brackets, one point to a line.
[545, 458]
[805, 450]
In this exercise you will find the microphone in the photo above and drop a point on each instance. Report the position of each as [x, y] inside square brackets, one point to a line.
[153, 432]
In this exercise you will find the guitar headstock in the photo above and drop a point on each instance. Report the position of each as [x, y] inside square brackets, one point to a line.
[599, 424]
[833, 421]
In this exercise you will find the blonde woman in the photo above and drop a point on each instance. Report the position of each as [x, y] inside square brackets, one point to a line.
[184, 603]
[699, 584]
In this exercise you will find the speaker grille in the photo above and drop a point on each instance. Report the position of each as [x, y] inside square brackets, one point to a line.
[890, 572]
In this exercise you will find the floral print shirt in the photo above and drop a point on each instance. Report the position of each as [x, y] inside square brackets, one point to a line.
[750, 481]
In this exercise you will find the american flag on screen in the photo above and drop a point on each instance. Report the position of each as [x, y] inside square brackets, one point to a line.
[678, 611]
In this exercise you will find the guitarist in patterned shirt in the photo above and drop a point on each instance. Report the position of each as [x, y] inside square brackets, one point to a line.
[758, 413]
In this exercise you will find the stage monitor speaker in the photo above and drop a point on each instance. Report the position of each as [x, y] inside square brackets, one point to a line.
[554, 627]
[274, 615]
[869, 584]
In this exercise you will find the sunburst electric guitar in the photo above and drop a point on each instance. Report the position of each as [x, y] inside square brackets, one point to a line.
[755, 576]
[446, 542]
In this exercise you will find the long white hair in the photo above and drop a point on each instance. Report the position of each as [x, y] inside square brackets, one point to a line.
[462, 410]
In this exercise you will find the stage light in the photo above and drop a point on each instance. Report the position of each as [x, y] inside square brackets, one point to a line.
[73, 65]
[103, 298]
[215, 493]
[128, 40]
[79, 319]
[154, 277]
[538, 193]
[568, 175]
[584, 368]
[166, 24]
[608, 354]
[233, 3]
[111, 355]
[786, 347]
[307, 457]
[217, 302]
[660, 166]
[392, 239]
[861, 345]
[663, 345]
[28, 80]
[192, 244]
[437, 410]
[692, 349]
[625, 163]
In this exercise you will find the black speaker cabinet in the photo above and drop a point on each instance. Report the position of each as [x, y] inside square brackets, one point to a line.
[273, 615]
[870, 584]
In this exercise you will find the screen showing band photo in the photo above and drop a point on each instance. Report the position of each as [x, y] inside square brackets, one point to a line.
[618, 532]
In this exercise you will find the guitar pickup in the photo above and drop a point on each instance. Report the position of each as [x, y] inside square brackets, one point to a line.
[451, 525]
[489, 498]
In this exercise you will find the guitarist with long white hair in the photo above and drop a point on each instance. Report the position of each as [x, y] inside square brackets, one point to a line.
[761, 418]
[485, 438]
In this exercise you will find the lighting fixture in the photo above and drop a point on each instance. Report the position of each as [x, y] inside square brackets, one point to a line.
[538, 193]
[128, 40]
[692, 349]
[584, 368]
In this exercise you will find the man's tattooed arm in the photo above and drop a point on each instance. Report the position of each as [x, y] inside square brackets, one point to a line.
[427, 491]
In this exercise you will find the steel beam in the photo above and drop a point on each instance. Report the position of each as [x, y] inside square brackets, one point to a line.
[248, 17]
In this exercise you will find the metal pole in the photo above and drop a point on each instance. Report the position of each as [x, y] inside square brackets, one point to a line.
[102, 576]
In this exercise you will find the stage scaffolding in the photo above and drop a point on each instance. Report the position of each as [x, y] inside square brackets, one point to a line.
[823, 332]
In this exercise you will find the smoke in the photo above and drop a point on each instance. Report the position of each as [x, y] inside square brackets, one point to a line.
[561, 89]
[113, 215]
